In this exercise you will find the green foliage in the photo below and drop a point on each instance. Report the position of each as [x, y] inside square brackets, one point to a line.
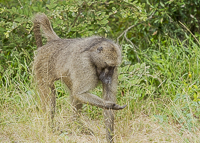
[69, 19]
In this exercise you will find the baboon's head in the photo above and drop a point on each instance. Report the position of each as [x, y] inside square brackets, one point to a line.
[106, 56]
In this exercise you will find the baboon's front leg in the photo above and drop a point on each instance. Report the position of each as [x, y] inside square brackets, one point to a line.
[109, 124]
[109, 95]
[92, 99]
[77, 106]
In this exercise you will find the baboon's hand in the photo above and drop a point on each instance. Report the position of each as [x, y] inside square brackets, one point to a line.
[114, 106]
[118, 107]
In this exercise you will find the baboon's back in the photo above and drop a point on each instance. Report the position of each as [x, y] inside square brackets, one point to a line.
[59, 58]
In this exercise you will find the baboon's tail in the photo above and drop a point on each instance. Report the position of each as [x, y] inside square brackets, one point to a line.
[43, 21]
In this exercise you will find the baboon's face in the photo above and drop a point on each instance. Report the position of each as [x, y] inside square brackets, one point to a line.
[106, 75]
[106, 54]
[106, 57]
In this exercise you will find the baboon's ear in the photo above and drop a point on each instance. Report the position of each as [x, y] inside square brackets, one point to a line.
[99, 49]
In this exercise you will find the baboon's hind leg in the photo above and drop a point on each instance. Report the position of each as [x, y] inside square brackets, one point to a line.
[52, 101]
[47, 97]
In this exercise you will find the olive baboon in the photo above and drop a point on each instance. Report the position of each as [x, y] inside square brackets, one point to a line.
[80, 64]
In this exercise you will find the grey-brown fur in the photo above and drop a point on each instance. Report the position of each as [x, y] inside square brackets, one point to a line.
[80, 64]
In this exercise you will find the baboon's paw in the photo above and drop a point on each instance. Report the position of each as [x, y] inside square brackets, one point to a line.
[118, 107]
[114, 106]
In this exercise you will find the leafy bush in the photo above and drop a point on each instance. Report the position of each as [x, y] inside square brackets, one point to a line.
[70, 20]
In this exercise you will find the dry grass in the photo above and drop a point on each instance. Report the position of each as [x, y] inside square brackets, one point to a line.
[22, 121]
[31, 126]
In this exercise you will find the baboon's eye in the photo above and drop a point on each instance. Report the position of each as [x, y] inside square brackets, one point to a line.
[99, 49]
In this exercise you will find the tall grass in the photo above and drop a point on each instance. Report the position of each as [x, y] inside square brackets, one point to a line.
[162, 93]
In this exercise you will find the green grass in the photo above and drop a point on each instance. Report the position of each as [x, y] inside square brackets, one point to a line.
[162, 93]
